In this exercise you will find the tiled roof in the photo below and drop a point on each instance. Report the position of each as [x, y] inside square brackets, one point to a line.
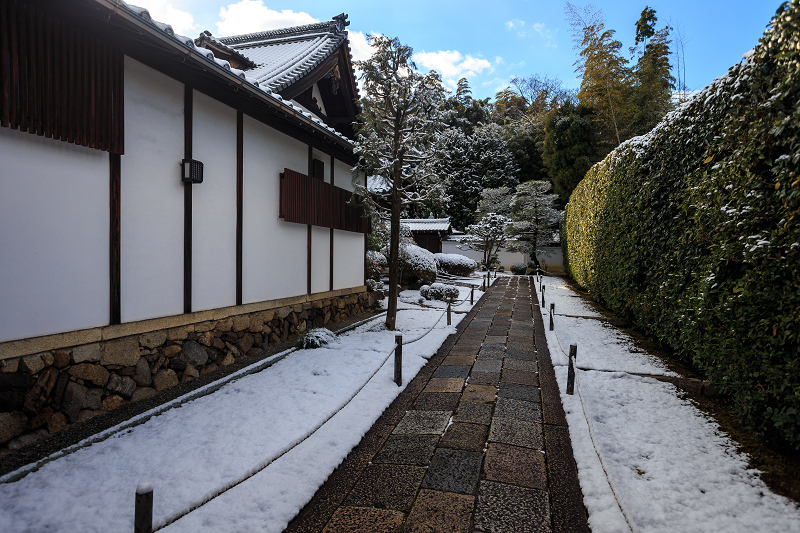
[222, 65]
[427, 224]
[284, 56]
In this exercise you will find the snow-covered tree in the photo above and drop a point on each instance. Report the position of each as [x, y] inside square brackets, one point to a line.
[533, 218]
[495, 201]
[397, 138]
[488, 235]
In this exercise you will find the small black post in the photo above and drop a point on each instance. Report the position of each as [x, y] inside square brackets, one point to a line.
[552, 311]
[448, 314]
[573, 349]
[543, 288]
[143, 517]
[472, 295]
[398, 360]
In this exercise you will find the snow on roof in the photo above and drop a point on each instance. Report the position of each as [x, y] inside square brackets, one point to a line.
[266, 92]
[427, 224]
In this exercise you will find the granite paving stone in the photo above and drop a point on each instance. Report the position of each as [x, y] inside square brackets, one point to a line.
[485, 378]
[518, 409]
[463, 436]
[360, 520]
[437, 401]
[479, 393]
[519, 392]
[423, 423]
[521, 364]
[387, 487]
[474, 413]
[453, 471]
[488, 365]
[515, 465]
[517, 353]
[445, 385]
[516, 433]
[497, 332]
[506, 508]
[453, 371]
[407, 450]
[520, 377]
[436, 511]
[458, 360]
[494, 339]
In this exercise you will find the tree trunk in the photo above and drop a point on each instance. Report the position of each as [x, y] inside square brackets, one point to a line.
[394, 259]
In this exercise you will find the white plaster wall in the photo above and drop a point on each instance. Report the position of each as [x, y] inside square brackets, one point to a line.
[348, 259]
[320, 259]
[325, 158]
[214, 205]
[273, 251]
[551, 258]
[343, 175]
[151, 195]
[318, 97]
[54, 236]
[506, 258]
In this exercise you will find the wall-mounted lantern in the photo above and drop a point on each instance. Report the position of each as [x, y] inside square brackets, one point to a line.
[192, 171]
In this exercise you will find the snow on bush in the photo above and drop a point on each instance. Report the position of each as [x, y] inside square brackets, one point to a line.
[456, 264]
[376, 262]
[374, 285]
[519, 268]
[439, 291]
[316, 338]
[417, 266]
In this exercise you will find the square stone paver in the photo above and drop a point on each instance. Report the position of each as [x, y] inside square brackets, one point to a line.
[521, 364]
[436, 401]
[517, 352]
[485, 355]
[485, 378]
[452, 371]
[466, 349]
[519, 392]
[453, 471]
[509, 509]
[519, 409]
[407, 450]
[463, 436]
[488, 365]
[515, 465]
[494, 339]
[360, 520]
[444, 385]
[458, 360]
[497, 332]
[387, 487]
[520, 377]
[440, 511]
[474, 413]
[516, 433]
[423, 423]
[478, 393]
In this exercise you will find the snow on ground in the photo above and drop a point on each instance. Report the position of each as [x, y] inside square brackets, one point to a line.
[670, 466]
[193, 450]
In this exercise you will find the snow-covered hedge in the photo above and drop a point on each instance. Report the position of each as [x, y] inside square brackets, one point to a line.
[439, 291]
[519, 268]
[456, 264]
[417, 266]
[376, 262]
[693, 231]
[316, 338]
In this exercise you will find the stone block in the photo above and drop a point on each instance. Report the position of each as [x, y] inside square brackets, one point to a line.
[24, 440]
[61, 359]
[111, 403]
[48, 359]
[88, 353]
[204, 326]
[41, 418]
[256, 324]
[142, 375]
[206, 338]
[40, 392]
[241, 323]
[267, 316]
[463, 436]
[515, 465]
[436, 401]
[11, 425]
[454, 471]
[191, 372]
[516, 433]
[245, 343]
[164, 379]
[353, 519]
[178, 334]
[9, 366]
[142, 393]
[121, 385]
[423, 423]
[123, 352]
[73, 400]
[227, 360]
[93, 399]
[283, 312]
[170, 351]
[94, 374]
[31, 364]
[56, 422]
[224, 325]
[194, 354]
[387, 487]
[407, 450]
[440, 511]
[444, 385]
[512, 509]
[153, 339]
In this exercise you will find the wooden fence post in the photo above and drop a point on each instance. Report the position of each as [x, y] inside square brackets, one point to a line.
[552, 312]
[543, 288]
[449, 320]
[573, 352]
[398, 360]
[143, 515]
[472, 295]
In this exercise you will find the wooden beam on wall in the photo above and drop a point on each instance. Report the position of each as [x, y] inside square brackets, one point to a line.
[308, 258]
[115, 313]
[239, 202]
[188, 99]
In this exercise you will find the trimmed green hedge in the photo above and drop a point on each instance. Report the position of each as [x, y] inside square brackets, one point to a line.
[693, 231]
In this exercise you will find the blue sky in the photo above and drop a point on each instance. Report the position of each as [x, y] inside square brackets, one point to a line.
[490, 41]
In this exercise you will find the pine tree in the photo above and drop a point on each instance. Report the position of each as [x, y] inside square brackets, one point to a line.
[488, 235]
[652, 93]
[397, 138]
[534, 218]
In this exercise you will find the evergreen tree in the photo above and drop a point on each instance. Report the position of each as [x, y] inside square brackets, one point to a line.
[569, 147]
[397, 138]
[525, 139]
[468, 113]
[488, 235]
[652, 93]
[495, 201]
[534, 218]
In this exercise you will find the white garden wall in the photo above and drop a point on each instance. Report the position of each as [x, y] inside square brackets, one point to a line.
[348, 259]
[273, 251]
[54, 236]
[506, 258]
[151, 195]
[320, 259]
[214, 205]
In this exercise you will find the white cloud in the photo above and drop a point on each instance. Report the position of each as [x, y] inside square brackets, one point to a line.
[182, 22]
[359, 45]
[515, 24]
[249, 16]
[452, 65]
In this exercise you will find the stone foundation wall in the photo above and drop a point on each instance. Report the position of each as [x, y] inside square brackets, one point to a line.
[43, 392]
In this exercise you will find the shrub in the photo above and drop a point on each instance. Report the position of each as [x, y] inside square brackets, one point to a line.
[519, 268]
[456, 264]
[376, 262]
[692, 232]
[417, 266]
[439, 291]
[373, 285]
[316, 338]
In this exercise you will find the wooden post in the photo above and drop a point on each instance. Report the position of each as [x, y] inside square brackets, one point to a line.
[398, 360]
[449, 320]
[543, 288]
[472, 295]
[573, 350]
[552, 311]
[143, 517]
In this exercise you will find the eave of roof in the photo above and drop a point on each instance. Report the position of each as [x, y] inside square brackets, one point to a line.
[427, 224]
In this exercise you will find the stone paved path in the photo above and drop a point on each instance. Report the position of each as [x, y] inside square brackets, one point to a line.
[476, 443]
